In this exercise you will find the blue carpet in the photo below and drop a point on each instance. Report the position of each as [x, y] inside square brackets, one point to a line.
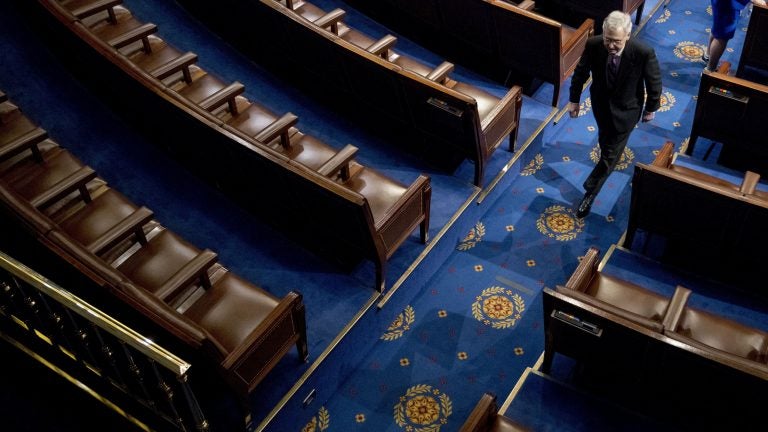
[468, 320]
[476, 324]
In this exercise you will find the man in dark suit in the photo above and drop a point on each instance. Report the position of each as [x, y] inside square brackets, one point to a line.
[623, 71]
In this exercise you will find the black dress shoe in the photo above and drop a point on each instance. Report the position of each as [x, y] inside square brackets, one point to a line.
[585, 206]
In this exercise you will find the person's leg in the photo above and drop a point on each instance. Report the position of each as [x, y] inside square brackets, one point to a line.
[716, 50]
[611, 149]
[705, 56]
[724, 17]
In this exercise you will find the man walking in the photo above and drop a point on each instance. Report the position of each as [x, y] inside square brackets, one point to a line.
[623, 71]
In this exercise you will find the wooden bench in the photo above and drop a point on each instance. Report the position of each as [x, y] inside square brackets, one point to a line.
[731, 110]
[703, 223]
[691, 352]
[493, 36]
[241, 330]
[342, 209]
[385, 90]
[754, 53]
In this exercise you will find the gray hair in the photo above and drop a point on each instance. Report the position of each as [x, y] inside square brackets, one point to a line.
[618, 20]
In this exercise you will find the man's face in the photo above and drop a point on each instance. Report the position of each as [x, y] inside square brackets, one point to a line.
[614, 40]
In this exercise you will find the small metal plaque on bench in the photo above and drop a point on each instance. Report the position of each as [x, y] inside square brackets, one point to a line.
[577, 322]
[728, 94]
[443, 105]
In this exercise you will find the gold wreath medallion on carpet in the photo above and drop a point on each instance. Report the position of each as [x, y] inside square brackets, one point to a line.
[560, 223]
[400, 324]
[473, 237]
[533, 166]
[498, 307]
[690, 51]
[423, 409]
[320, 422]
[627, 156]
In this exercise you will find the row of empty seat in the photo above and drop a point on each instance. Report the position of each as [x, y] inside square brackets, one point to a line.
[236, 327]
[674, 204]
[501, 38]
[371, 213]
[643, 339]
[406, 100]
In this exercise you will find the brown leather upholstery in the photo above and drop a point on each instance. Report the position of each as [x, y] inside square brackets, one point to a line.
[158, 262]
[722, 334]
[242, 328]
[246, 144]
[617, 296]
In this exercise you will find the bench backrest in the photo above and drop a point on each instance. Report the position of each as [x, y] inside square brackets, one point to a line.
[492, 36]
[707, 227]
[312, 209]
[432, 120]
[732, 111]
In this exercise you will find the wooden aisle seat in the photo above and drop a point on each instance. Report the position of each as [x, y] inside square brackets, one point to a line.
[242, 328]
[601, 306]
[388, 200]
[485, 417]
[620, 297]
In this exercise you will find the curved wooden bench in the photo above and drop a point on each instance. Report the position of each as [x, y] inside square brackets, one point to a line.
[215, 139]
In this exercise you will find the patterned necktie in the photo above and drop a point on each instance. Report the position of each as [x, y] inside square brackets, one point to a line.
[611, 69]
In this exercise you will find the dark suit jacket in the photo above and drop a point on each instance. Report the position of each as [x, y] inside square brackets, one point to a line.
[622, 106]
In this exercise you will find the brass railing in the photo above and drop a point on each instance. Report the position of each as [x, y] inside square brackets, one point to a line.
[124, 369]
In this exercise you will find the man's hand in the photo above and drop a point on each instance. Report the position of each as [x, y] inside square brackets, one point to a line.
[759, 2]
[648, 116]
[573, 109]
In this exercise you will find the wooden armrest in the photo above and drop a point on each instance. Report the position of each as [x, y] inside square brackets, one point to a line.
[64, 187]
[279, 127]
[261, 334]
[585, 271]
[139, 33]
[664, 157]
[749, 184]
[96, 7]
[482, 414]
[675, 308]
[181, 63]
[28, 141]
[339, 163]
[226, 95]
[528, 5]
[582, 33]
[131, 224]
[331, 19]
[382, 46]
[197, 268]
[440, 73]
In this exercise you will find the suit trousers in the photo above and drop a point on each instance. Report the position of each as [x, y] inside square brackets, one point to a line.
[612, 145]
